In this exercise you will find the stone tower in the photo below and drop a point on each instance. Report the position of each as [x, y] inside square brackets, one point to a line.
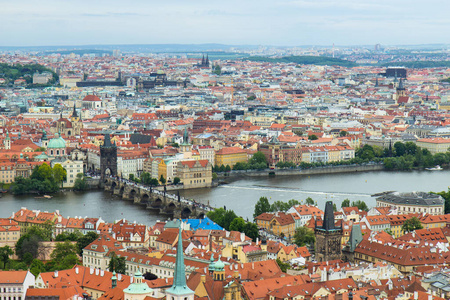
[108, 157]
[328, 236]
[75, 119]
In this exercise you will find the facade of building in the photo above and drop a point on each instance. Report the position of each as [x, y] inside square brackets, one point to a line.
[195, 173]
[14, 284]
[434, 145]
[277, 152]
[229, 156]
[414, 202]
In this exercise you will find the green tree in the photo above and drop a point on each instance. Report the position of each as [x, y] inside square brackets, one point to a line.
[312, 137]
[62, 250]
[345, 203]
[5, 253]
[214, 176]
[361, 205]
[238, 224]
[162, 179]
[284, 266]
[257, 158]
[227, 168]
[117, 264]
[400, 149]
[411, 225]
[85, 240]
[80, 183]
[228, 217]
[59, 174]
[37, 267]
[304, 236]
[217, 215]
[261, 206]
[145, 177]
[251, 230]
[309, 201]
[176, 180]
[343, 133]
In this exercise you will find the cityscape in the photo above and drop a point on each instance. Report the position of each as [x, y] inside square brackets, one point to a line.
[297, 150]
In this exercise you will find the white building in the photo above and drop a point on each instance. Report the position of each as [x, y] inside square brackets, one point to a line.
[14, 284]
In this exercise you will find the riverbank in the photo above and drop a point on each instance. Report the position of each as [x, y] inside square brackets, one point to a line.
[371, 167]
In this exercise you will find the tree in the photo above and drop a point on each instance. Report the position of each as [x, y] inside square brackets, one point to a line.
[80, 183]
[238, 224]
[162, 179]
[251, 230]
[334, 207]
[62, 250]
[312, 137]
[261, 206]
[283, 265]
[400, 149]
[361, 205]
[37, 267]
[411, 225]
[345, 203]
[309, 201]
[217, 215]
[145, 177]
[59, 174]
[5, 253]
[304, 236]
[228, 217]
[257, 158]
[227, 168]
[117, 264]
[343, 133]
[85, 240]
[176, 180]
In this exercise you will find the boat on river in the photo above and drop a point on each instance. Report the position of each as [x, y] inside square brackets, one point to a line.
[436, 168]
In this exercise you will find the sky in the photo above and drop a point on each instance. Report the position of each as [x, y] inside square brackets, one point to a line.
[231, 22]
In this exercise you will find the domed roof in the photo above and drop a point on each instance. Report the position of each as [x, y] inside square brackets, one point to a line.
[211, 266]
[57, 142]
[91, 98]
[219, 265]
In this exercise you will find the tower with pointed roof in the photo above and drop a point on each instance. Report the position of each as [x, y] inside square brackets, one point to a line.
[179, 290]
[328, 236]
[108, 157]
[7, 141]
[44, 139]
[75, 119]
[186, 147]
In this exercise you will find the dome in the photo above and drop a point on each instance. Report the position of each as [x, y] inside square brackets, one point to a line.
[91, 98]
[219, 265]
[57, 142]
[211, 266]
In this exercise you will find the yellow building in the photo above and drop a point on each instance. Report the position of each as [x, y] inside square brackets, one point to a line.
[434, 145]
[229, 156]
[279, 223]
[244, 253]
[162, 169]
[195, 173]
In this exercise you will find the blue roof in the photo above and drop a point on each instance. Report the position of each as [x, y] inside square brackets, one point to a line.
[205, 223]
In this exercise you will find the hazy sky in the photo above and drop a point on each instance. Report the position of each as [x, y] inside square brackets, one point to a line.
[266, 22]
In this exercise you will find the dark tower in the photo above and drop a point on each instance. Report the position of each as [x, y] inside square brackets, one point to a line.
[328, 236]
[108, 157]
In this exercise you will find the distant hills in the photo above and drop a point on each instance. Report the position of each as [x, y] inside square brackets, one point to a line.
[306, 60]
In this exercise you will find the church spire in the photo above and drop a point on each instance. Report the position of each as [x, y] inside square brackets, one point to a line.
[179, 290]
[74, 113]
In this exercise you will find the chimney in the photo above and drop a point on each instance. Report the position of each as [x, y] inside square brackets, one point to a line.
[416, 295]
[97, 271]
[203, 278]
[253, 266]
[76, 270]
[56, 274]
[430, 297]
[102, 273]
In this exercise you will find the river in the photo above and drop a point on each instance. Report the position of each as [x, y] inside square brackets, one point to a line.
[241, 195]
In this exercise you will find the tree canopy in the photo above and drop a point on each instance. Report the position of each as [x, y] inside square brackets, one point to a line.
[411, 225]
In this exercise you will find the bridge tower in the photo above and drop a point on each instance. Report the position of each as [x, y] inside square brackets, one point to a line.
[108, 157]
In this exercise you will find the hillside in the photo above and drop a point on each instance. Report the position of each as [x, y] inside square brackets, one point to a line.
[306, 60]
[13, 72]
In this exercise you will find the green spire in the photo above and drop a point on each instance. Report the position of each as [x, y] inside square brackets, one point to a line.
[185, 137]
[7, 135]
[179, 286]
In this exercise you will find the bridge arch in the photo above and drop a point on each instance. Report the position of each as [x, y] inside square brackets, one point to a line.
[171, 207]
[113, 185]
[186, 212]
[145, 198]
[157, 203]
[133, 194]
[122, 189]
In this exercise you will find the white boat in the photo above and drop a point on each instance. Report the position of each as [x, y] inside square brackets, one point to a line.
[436, 168]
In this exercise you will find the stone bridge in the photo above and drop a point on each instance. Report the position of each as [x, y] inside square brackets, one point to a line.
[161, 202]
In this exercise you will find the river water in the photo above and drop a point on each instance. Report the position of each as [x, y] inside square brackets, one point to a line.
[241, 195]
